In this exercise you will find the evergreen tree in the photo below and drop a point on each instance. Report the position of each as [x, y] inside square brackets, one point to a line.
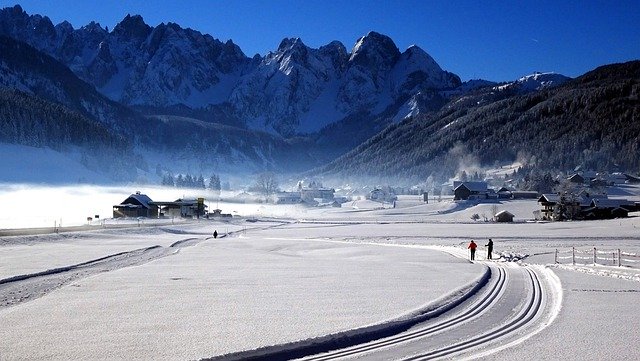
[214, 182]
[188, 181]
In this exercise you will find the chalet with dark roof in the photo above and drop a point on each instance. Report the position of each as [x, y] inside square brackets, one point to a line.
[470, 190]
[136, 205]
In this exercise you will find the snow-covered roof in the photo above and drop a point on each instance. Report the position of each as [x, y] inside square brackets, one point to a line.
[549, 198]
[472, 186]
[504, 213]
[610, 203]
[142, 199]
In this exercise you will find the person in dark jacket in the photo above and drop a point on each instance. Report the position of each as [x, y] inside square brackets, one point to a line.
[489, 248]
[215, 234]
[472, 247]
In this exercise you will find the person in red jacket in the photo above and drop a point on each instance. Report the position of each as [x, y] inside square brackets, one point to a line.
[472, 247]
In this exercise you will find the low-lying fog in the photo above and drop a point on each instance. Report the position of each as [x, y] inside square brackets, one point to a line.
[26, 206]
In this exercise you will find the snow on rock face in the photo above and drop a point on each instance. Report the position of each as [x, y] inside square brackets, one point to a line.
[295, 89]
[535, 81]
[416, 70]
[169, 65]
[284, 85]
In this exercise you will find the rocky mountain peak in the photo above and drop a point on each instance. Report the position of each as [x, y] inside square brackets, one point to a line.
[337, 52]
[416, 55]
[132, 27]
[292, 90]
[290, 43]
[374, 49]
[16, 10]
[292, 50]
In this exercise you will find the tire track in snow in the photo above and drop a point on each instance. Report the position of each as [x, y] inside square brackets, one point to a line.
[23, 288]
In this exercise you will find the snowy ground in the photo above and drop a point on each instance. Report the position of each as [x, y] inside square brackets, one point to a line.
[304, 276]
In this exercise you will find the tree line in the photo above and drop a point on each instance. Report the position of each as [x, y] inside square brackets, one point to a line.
[191, 181]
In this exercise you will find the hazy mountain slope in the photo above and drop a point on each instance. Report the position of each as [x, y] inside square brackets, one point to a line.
[32, 121]
[593, 121]
[24, 68]
[47, 105]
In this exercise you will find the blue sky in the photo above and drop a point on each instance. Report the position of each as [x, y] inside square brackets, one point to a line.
[494, 40]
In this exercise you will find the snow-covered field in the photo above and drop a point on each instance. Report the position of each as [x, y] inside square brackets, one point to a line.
[378, 282]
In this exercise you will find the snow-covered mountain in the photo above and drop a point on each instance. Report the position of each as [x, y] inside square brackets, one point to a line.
[293, 90]
[535, 81]
[43, 104]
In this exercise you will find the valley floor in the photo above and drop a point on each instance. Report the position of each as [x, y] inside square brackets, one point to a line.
[397, 281]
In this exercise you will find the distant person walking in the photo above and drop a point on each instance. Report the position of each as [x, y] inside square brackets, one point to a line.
[472, 247]
[489, 248]
[215, 234]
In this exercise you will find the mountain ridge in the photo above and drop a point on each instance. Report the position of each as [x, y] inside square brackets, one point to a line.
[291, 91]
[590, 121]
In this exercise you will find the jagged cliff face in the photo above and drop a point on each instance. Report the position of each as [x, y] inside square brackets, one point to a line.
[135, 63]
[296, 89]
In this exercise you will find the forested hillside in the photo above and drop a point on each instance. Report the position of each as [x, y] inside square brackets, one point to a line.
[28, 120]
[592, 121]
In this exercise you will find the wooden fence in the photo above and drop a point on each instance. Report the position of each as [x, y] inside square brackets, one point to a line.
[594, 256]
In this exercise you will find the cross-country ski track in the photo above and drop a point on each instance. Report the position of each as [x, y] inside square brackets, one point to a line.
[507, 304]
[510, 303]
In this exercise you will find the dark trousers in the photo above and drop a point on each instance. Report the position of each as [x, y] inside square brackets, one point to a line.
[473, 254]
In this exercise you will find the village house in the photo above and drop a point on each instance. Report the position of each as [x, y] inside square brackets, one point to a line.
[385, 194]
[308, 194]
[140, 205]
[136, 205]
[471, 191]
[288, 198]
[184, 208]
[576, 178]
[583, 205]
[503, 216]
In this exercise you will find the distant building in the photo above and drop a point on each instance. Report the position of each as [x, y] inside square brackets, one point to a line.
[288, 198]
[217, 213]
[136, 205]
[524, 194]
[631, 178]
[185, 208]
[503, 216]
[470, 190]
[617, 178]
[385, 194]
[325, 194]
[576, 178]
[583, 205]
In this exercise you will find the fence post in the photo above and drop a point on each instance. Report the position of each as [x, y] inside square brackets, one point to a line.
[619, 258]
[595, 260]
[556, 257]
[613, 258]
[573, 255]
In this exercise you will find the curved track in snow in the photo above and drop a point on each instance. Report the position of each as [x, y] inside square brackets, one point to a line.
[519, 302]
[513, 303]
